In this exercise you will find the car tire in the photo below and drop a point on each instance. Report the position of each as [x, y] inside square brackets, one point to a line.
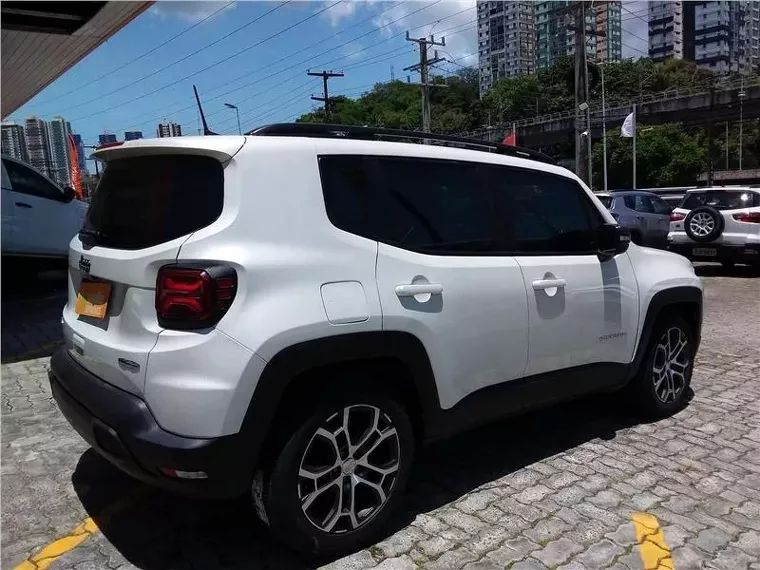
[637, 238]
[662, 384]
[728, 264]
[704, 224]
[317, 456]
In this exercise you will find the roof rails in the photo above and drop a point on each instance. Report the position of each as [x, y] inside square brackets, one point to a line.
[319, 130]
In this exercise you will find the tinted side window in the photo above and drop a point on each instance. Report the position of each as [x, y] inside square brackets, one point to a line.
[549, 214]
[644, 205]
[26, 181]
[661, 206]
[630, 202]
[433, 206]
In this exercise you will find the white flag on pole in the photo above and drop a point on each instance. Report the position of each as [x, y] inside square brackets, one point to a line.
[628, 127]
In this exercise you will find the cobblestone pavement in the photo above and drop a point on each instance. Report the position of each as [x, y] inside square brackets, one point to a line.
[554, 489]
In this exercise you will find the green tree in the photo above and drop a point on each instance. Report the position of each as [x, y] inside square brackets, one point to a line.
[666, 155]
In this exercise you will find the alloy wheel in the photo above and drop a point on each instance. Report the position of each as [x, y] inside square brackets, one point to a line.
[702, 224]
[671, 361]
[348, 469]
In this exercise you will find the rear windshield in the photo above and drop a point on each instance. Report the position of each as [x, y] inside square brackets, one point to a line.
[605, 200]
[721, 199]
[148, 200]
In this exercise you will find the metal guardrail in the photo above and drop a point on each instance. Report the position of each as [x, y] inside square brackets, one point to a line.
[617, 105]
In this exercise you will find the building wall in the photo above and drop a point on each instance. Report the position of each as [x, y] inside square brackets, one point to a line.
[14, 141]
[37, 145]
[58, 138]
[81, 152]
[506, 40]
[720, 35]
[169, 130]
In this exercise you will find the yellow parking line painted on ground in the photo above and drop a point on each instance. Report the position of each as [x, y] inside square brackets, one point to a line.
[655, 553]
[53, 551]
[45, 557]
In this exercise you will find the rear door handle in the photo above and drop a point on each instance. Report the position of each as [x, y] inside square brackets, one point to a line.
[419, 289]
[23, 205]
[541, 284]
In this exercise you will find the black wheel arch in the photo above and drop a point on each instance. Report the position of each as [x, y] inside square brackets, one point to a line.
[294, 372]
[683, 300]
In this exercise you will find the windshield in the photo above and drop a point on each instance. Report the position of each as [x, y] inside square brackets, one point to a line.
[605, 200]
[146, 200]
[721, 199]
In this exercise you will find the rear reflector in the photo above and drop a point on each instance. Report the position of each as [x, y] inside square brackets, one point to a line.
[676, 216]
[748, 217]
[194, 296]
[177, 474]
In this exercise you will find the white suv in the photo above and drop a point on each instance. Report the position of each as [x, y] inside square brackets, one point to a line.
[289, 314]
[718, 224]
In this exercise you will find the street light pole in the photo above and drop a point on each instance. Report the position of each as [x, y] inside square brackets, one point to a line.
[742, 95]
[604, 128]
[237, 113]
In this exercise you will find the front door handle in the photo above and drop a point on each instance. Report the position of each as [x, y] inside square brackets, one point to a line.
[542, 284]
[419, 289]
[23, 205]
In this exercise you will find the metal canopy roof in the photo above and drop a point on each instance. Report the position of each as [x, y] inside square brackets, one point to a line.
[42, 40]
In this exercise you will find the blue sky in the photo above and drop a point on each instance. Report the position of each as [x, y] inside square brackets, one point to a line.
[112, 90]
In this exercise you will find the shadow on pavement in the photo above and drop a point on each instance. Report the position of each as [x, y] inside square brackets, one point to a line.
[31, 315]
[159, 530]
[717, 270]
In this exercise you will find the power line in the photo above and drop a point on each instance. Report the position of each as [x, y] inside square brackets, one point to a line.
[192, 106]
[180, 60]
[139, 57]
[176, 81]
[427, 6]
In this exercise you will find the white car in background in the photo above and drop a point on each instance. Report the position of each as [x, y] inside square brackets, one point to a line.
[718, 224]
[39, 219]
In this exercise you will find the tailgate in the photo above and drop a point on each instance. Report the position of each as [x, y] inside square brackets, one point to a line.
[145, 207]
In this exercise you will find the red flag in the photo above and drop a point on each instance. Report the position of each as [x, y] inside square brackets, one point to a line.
[76, 174]
[510, 139]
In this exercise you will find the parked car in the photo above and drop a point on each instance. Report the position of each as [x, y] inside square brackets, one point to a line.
[39, 219]
[291, 314]
[718, 224]
[644, 213]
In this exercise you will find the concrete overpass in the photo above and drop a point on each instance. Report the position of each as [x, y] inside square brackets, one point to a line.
[688, 106]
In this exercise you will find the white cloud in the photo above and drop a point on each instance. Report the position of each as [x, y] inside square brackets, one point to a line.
[343, 11]
[635, 28]
[188, 10]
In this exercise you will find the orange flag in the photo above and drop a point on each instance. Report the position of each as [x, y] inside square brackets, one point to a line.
[76, 174]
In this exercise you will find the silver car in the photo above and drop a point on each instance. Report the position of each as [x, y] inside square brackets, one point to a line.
[644, 213]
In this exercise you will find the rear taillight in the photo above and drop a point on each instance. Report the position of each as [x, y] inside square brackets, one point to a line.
[194, 296]
[748, 217]
[676, 216]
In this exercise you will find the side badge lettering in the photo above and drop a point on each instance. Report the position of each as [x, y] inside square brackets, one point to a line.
[84, 264]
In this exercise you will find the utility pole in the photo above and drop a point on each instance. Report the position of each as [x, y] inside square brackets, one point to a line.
[710, 165]
[325, 75]
[742, 95]
[423, 67]
[582, 143]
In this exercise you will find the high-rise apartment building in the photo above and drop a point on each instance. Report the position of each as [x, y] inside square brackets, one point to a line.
[132, 135]
[720, 35]
[169, 130]
[506, 40]
[555, 31]
[106, 138]
[14, 141]
[608, 25]
[37, 144]
[58, 138]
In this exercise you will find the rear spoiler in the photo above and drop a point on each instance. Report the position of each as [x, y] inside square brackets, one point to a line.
[220, 148]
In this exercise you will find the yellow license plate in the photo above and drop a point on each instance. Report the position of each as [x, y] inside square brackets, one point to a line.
[92, 299]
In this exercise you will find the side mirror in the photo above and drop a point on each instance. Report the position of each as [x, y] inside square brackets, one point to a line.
[612, 239]
[69, 194]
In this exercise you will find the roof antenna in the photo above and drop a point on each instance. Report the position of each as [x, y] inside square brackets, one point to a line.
[206, 130]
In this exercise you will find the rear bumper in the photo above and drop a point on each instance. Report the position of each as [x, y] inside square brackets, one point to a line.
[121, 428]
[747, 253]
